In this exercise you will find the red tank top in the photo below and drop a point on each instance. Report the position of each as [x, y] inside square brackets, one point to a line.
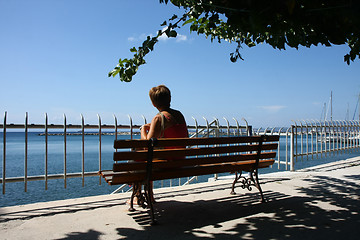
[178, 130]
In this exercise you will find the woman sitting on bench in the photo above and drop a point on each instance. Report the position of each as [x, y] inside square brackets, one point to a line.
[168, 123]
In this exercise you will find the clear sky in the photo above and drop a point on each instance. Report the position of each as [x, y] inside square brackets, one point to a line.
[55, 56]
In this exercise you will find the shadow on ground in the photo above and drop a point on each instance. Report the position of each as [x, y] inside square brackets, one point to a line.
[327, 209]
[59, 209]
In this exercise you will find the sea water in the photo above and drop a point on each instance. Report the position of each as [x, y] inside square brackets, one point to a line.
[58, 189]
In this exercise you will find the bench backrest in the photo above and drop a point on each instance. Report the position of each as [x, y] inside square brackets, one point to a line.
[182, 157]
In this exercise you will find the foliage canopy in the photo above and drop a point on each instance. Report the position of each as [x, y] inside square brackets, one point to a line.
[279, 23]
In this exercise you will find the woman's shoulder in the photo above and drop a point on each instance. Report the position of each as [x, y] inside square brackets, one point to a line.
[157, 118]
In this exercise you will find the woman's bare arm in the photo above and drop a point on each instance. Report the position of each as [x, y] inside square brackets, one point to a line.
[153, 129]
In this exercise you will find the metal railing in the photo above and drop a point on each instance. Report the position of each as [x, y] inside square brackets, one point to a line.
[314, 138]
[302, 139]
[208, 129]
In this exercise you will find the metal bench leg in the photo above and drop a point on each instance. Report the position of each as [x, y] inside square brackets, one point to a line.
[237, 178]
[257, 183]
[248, 182]
[148, 196]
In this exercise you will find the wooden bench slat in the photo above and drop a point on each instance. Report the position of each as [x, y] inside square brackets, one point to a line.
[127, 177]
[166, 142]
[205, 170]
[180, 153]
[133, 166]
[106, 173]
[134, 143]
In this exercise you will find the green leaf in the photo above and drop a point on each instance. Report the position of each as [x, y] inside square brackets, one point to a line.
[188, 21]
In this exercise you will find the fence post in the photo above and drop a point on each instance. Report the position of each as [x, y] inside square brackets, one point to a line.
[196, 127]
[100, 133]
[4, 154]
[64, 150]
[292, 152]
[46, 151]
[83, 150]
[26, 152]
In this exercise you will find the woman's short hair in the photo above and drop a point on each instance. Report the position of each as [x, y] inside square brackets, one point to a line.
[160, 96]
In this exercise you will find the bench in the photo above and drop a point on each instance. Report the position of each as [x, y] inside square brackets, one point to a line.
[139, 162]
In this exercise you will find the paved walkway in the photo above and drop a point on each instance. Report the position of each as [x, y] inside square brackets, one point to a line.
[322, 202]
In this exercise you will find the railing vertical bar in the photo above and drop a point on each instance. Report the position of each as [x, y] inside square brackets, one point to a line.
[278, 150]
[307, 139]
[351, 135]
[324, 139]
[337, 137]
[258, 131]
[296, 144]
[144, 118]
[354, 135]
[312, 139]
[217, 133]
[217, 124]
[317, 141]
[344, 140]
[292, 152]
[348, 137]
[321, 140]
[131, 127]
[4, 154]
[333, 137]
[228, 126]
[207, 127]
[99, 147]
[301, 140]
[83, 150]
[46, 151]
[116, 129]
[196, 128]
[329, 145]
[26, 152]
[357, 136]
[248, 129]
[237, 127]
[65, 177]
[287, 152]
[341, 143]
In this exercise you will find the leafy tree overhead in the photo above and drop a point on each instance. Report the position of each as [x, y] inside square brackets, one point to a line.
[279, 23]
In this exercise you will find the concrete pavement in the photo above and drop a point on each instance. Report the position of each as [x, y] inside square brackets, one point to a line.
[321, 202]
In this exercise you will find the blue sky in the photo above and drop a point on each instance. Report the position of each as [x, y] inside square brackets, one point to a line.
[55, 56]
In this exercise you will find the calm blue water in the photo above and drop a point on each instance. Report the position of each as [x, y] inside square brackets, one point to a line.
[15, 154]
